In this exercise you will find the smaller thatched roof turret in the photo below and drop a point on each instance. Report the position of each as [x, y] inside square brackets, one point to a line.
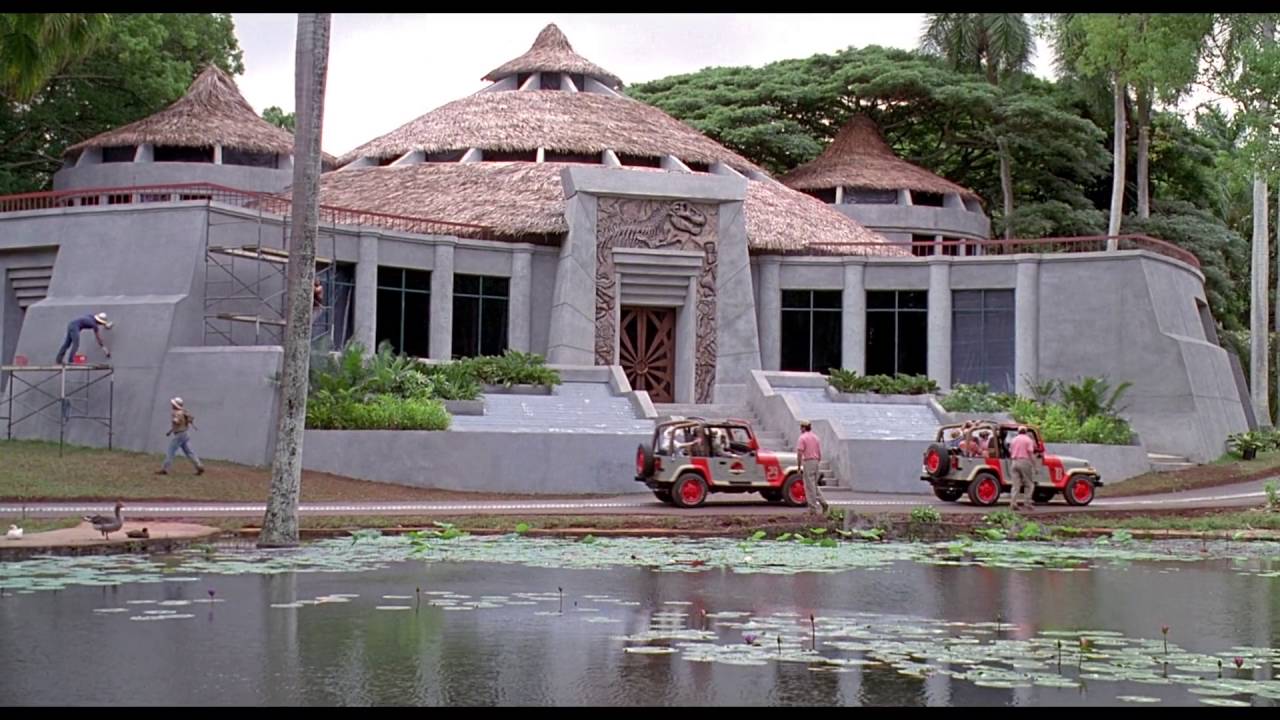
[552, 53]
[859, 157]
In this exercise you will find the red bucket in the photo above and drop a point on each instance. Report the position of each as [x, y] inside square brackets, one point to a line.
[80, 359]
[20, 360]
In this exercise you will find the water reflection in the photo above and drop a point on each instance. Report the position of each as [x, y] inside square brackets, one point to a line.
[243, 651]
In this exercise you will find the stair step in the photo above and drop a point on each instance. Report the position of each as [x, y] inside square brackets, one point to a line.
[1161, 457]
[1170, 467]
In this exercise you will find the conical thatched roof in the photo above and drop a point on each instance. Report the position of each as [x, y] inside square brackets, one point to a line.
[561, 121]
[551, 52]
[213, 112]
[518, 199]
[859, 157]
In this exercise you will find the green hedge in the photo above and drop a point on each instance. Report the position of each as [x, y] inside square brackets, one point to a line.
[1084, 412]
[848, 381]
[379, 412]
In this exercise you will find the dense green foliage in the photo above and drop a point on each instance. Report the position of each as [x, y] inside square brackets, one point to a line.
[397, 392]
[848, 381]
[1084, 412]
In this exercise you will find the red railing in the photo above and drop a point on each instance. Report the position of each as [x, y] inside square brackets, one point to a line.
[275, 204]
[1083, 243]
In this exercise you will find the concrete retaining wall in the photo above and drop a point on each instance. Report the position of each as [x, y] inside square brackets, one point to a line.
[1115, 463]
[504, 462]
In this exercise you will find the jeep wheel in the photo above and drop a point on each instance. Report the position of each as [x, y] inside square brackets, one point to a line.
[663, 495]
[947, 492]
[984, 490]
[689, 490]
[1079, 490]
[1043, 495]
[773, 495]
[937, 461]
[793, 490]
[644, 461]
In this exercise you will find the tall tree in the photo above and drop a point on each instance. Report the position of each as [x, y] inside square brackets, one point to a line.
[36, 46]
[998, 45]
[278, 117]
[141, 63]
[311, 67]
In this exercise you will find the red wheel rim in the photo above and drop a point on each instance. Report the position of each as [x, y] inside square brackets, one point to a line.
[987, 490]
[931, 461]
[1082, 490]
[691, 492]
[797, 492]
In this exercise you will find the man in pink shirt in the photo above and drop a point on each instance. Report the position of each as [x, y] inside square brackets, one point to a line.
[809, 453]
[1021, 451]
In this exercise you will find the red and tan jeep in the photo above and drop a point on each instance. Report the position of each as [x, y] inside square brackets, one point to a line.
[692, 457]
[956, 467]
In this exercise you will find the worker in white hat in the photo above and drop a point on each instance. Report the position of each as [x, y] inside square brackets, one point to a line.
[79, 325]
[179, 423]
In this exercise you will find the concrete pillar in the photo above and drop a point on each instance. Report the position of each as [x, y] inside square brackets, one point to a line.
[610, 158]
[145, 153]
[93, 156]
[839, 194]
[853, 312]
[366, 321]
[217, 154]
[518, 301]
[1026, 318]
[938, 361]
[904, 197]
[770, 311]
[442, 303]
[472, 155]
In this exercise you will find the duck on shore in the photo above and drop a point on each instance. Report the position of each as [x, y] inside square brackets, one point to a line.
[15, 533]
[104, 524]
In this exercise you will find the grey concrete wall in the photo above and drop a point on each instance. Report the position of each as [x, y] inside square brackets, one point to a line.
[737, 339]
[920, 219]
[532, 463]
[572, 330]
[233, 394]
[116, 175]
[1115, 463]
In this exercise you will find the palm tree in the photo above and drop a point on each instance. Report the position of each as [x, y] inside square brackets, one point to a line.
[311, 67]
[997, 45]
[36, 46]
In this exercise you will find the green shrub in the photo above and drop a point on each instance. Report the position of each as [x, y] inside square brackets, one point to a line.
[926, 515]
[511, 368]
[848, 381]
[1092, 396]
[452, 381]
[379, 412]
[1255, 440]
[976, 399]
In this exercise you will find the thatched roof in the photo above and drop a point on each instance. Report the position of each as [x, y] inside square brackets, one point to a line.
[517, 199]
[213, 112]
[551, 52]
[859, 157]
[559, 121]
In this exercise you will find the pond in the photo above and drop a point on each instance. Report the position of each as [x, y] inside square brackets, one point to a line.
[512, 621]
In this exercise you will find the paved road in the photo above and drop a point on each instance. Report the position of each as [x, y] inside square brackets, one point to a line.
[1226, 496]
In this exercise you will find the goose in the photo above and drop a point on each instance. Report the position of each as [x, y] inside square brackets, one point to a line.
[15, 533]
[104, 524]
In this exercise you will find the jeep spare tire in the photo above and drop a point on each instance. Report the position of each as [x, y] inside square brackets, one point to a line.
[644, 460]
[937, 461]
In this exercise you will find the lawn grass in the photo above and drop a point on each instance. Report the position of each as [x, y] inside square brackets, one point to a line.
[32, 471]
[1226, 470]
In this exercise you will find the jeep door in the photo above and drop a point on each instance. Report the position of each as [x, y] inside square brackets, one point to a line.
[736, 463]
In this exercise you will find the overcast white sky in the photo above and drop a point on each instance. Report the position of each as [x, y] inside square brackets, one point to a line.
[387, 69]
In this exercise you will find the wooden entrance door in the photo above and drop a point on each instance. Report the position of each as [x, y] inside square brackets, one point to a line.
[647, 351]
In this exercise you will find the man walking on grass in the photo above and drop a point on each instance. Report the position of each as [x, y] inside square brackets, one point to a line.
[1021, 451]
[809, 453]
[180, 421]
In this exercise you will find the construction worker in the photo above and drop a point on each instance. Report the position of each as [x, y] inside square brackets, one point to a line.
[180, 421]
[77, 326]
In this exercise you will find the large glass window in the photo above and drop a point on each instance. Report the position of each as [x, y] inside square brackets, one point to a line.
[404, 309]
[811, 330]
[897, 332]
[480, 315]
[338, 313]
[982, 338]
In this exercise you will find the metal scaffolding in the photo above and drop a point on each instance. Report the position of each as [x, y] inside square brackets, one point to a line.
[246, 285]
[68, 389]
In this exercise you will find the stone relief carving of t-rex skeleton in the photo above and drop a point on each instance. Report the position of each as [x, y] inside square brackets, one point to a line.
[637, 223]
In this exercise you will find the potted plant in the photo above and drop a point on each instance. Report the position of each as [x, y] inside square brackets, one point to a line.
[1247, 444]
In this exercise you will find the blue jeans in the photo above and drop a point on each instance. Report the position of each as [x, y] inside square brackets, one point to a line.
[180, 440]
[72, 341]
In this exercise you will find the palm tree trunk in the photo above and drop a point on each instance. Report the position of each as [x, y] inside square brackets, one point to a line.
[311, 65]
[1006, 185]
[1258, 316]
[1117, 169]
[1144, 151]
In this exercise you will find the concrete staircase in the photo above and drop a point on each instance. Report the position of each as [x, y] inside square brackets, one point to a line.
[769, 438]
[1168, 463]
